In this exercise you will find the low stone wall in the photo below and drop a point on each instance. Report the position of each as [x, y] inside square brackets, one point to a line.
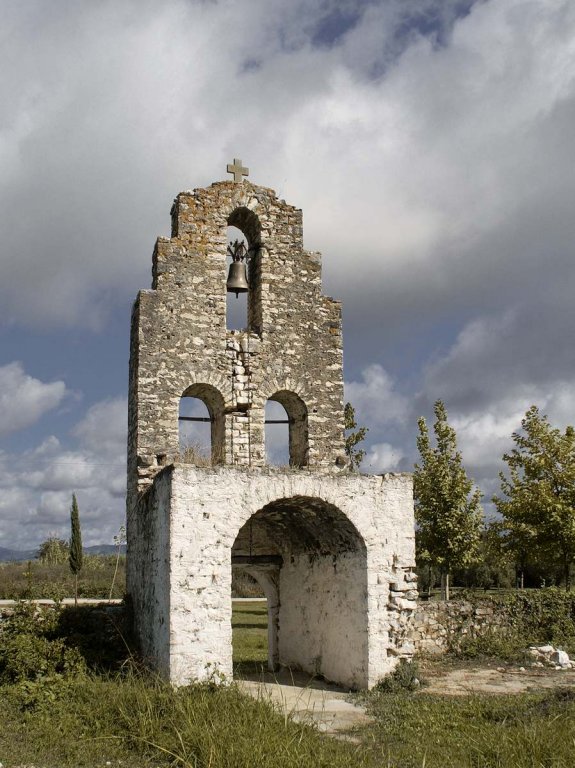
[438, 626]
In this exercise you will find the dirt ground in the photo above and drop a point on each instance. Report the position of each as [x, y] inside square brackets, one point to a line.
[464, 678]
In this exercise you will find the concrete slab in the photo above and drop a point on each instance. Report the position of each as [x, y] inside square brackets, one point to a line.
[308, 700]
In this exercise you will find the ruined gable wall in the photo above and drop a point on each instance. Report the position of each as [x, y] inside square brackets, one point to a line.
[179, 334]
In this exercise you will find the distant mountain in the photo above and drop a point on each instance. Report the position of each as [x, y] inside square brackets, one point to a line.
[18, 555]
[104, 549]
[9, 555]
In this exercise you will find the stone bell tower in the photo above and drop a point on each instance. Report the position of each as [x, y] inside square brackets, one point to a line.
[333, 550]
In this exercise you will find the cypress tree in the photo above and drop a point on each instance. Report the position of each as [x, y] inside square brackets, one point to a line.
[76, 555]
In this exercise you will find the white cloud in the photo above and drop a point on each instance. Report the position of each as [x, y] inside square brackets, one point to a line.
[37, 485]
[104, 428]
[375, 399]
[24, 399]
[382, 457]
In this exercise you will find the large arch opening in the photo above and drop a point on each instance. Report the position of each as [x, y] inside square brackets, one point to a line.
[201, 425]
[245, 229]
[310, 560]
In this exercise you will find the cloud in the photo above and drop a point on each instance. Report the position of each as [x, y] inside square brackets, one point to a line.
[37, 484]
[104, 429]
[24, 399]
[498, 367]
[432, 132]
[382, 457]
[375, 399]
[429, 144]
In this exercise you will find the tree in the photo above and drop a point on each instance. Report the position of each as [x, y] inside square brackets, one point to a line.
[76, 554]
[354, 436]
[538, 502]
[53, 551]
[447, 509]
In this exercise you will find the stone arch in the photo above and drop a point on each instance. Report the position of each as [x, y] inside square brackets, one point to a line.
[311, 561]
[297, 414]
[248, 222]
[214, 402]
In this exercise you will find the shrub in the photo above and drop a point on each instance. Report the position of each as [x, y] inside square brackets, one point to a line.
[29, 653]
[405, 677]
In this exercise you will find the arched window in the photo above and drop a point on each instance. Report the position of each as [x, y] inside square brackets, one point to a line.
[244, 311]
[277, 434]
[201, 425]
[286, 417]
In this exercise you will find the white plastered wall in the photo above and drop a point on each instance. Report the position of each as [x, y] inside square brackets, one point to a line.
[200, 511]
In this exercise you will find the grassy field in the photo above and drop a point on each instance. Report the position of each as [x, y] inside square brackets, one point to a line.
[250, 636]
[103, 711]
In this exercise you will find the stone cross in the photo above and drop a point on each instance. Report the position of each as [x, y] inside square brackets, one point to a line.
[237, 169]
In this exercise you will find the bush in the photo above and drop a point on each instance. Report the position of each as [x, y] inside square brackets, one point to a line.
[405, 677]
[29, 653]
[527, 617]
[36, 579]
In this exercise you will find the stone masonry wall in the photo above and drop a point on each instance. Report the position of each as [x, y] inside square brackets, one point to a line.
[179, 335]
[438, 626]
[334, 550]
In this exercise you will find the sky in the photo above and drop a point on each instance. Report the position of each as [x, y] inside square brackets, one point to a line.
[430, 144]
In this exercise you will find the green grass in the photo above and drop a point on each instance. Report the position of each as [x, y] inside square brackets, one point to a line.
[250, 636]
[141, 722]
[514, 731]
[126, 718]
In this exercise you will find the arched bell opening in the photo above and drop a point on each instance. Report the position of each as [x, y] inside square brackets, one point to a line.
[243, 305]
[286, 434]
[311, 562]
[237, 266]
[201, 425]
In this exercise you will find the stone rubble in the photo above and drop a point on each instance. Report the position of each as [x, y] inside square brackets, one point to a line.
[549, 656]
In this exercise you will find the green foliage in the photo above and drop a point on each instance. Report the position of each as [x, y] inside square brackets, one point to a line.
[508, 646]
[53, 551]
[36, 579]
[538, 502]
[76, 554]
[543, 616]
[354, 436]
[528, 617]
[405, 677]
[30, 651]
[135, 720]
[447, 509]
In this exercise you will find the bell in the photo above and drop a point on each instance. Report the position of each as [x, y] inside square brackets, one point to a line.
[237, 278]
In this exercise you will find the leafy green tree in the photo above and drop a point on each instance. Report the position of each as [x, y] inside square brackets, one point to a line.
[354, 435]
[538, 502]
[494, 566]
[76, 555]
[53, 551]
[447, 508]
